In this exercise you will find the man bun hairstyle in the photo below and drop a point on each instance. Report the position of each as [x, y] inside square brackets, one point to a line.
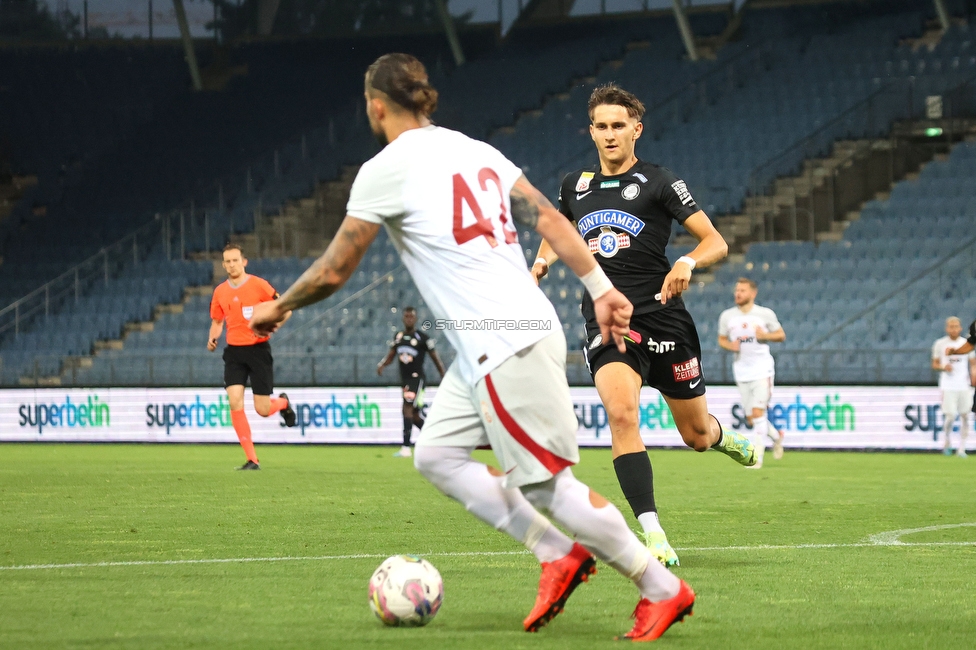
[403, 79]
[613, 95]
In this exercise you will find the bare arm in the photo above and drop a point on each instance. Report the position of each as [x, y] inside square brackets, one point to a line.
[540, 268]
[771, 337]
[965, 348]
[216, 327]
[387, 360]
[711, 248]
[437, 362]
[532, 209]
[726, 344]
[972, 372]
[324, 277]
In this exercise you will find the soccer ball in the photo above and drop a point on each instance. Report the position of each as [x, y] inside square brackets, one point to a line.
[405, 590]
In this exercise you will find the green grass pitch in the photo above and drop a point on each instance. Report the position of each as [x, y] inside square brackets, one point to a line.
[83, 504]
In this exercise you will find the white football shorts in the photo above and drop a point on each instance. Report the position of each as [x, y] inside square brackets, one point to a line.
[756, 394]
[522, 409]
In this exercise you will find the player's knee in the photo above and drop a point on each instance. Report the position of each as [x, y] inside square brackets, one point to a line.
[623, 418]
[425, 462]
[696, 436]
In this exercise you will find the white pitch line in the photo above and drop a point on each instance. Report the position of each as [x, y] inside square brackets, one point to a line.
[366, 556]
[893, 537]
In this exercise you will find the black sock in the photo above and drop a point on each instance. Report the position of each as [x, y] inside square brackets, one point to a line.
[407, 430]
[721, 432]
[419, 420]
[636, 481]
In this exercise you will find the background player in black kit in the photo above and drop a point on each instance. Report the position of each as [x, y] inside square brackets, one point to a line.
[623, 208]
[410, 347]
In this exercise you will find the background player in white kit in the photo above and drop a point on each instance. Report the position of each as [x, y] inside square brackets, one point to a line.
[746, 329]
[448, 203]
[957, 376]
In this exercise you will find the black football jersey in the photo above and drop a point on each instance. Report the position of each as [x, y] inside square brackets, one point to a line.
[626, 220]
[411, 351]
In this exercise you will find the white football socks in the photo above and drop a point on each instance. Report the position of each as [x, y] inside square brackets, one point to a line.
[603, 531]
[760, 431]
[650, 523]
[453, 472]
[963, 431]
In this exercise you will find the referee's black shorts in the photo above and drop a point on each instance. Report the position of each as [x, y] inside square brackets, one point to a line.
[249, 361]
[663, 348]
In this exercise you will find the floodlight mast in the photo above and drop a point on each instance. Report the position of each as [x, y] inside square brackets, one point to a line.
[191, 56]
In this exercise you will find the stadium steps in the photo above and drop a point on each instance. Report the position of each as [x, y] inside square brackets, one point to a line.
[850, 157]
[932, 36]
[304, 227]
[72, 364]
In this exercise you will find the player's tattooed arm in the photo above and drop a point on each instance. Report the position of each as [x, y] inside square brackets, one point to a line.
[326, 275]
[527, 203]
[329, 272]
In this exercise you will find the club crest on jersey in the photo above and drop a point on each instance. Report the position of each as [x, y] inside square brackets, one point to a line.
[630, 192]
[616, 218]
[248, 312]
[609, 242]
[583, 183]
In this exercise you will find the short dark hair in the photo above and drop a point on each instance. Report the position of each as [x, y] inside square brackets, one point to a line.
[409, 308]
[749, 281]
[613, 95]
[403, 79]
[233, 246]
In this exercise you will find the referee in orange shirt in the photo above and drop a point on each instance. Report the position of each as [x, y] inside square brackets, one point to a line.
[246, 354]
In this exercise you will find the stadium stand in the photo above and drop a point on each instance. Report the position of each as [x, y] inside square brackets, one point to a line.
[888, 285]
[792, 71]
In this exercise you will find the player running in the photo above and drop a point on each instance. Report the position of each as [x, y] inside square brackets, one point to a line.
[746, 330]
[957, 376]
[246, 355]
[410, 347]
[449, 204]
[624, 209]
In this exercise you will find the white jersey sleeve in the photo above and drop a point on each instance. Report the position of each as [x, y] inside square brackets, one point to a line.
[771, 322]
[724, 321]
[377, 192]
[958, 377]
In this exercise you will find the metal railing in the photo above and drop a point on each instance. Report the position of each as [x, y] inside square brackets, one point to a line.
[175, 232]
[903, 299]
[337, 367]
[787, 175]
[74, 283]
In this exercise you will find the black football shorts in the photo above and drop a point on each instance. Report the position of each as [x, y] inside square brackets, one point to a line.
[413, 389]
[663, 348]
[249, 361]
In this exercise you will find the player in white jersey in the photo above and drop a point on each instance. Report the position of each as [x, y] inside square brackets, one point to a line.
[449, 202]
[746, 329]
[957, 376]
